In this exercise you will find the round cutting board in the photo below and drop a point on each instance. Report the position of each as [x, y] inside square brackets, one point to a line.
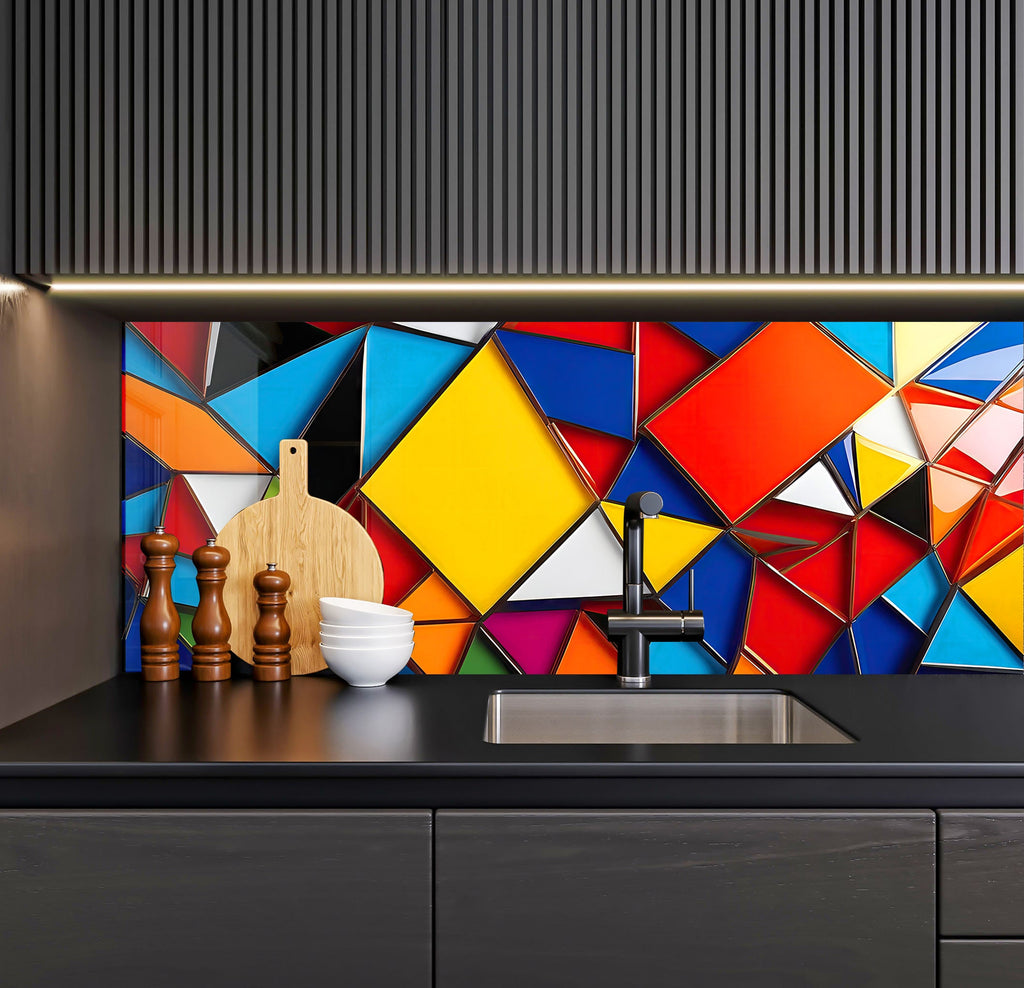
[323, 548]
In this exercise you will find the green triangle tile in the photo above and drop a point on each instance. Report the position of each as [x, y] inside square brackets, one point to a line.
[186, 628]
[483, 658]
[274, 488]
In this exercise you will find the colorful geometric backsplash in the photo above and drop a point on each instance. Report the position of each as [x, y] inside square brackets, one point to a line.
[848, 495]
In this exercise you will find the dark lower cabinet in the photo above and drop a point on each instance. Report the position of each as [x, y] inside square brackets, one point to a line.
[253, 898]
[604, 899]
[981, 855]
[981, 963]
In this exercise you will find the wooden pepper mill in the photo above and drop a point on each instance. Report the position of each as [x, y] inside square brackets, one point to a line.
[271, 651]
[160, 623]
[211, 626]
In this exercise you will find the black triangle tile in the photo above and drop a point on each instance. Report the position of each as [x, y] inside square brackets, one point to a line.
[339, 418]
[906, 505]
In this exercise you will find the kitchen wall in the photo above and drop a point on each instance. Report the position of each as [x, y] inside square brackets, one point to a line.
[59, 409]
[847, 495]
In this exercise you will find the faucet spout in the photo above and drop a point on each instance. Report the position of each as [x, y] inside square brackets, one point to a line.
[631, 627]
[639, 506]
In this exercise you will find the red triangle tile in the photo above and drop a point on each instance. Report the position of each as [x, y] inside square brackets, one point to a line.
[133, 560]
[804, 528]
[951, 549]
[883, 554]
[600, 455]
[998, 527]
[826, 575]
[185, 519]
[183, 344]
[403, 566]
[336, 328]
[667, 361]
[786, 629]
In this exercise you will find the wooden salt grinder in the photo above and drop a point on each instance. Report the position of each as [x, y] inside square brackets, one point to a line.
[160, 623]
[271, 651]
[211, 626]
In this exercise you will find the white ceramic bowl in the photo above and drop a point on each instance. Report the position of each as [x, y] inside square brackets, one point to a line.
[371, 641]
[330, 628]
[342, 610]
[362, 666]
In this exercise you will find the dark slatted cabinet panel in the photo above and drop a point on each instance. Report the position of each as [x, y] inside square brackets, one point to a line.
[981, 963]
[981, 866]
[604, 898]
[253, 898]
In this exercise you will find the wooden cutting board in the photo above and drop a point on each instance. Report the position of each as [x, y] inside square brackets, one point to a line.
[323, 548]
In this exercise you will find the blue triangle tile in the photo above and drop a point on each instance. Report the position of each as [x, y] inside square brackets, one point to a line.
[965, 639]
[142, 361]
[721, 590]
[886, 641]
[133, 643]
[141, 469]
[586, 385]
[403, 372]
[131, 598]
[184, 589]
[981, 363]
[719, 337]
[683, 659]
[920, 594]
[648, 470]
[841, 457]
[280, 403]
[872, 341]
[143, 512]
[839, 658]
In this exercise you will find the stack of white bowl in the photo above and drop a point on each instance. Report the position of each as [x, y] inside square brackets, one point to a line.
[362, 642]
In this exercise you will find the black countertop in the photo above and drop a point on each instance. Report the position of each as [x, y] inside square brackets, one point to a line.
[921, 741]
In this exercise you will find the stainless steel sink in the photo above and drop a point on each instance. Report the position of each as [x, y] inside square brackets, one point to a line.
[655, 717]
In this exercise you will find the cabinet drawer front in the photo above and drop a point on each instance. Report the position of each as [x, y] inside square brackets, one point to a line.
[664, 898]
[981, 963]
[167, 899]
[981, 873]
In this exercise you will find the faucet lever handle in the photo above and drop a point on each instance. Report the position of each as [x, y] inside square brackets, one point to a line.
[691, 607]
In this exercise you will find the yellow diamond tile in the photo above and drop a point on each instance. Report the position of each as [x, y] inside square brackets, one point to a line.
[670, 544]
[479, 484]
[999, 592]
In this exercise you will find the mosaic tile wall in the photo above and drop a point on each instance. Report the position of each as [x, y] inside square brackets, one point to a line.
[849, 495]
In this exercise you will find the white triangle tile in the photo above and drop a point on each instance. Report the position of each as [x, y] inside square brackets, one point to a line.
[587, 564]
[223, 495]
[888, 425]
[465, 332]
[817, 488]
[211, 351]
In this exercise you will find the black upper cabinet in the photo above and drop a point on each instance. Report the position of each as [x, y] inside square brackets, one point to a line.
[604, 898]
[544, 137]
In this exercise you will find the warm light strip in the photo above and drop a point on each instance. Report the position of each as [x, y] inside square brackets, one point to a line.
[533, 286]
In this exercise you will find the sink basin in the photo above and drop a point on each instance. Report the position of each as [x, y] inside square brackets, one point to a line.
[655, 717]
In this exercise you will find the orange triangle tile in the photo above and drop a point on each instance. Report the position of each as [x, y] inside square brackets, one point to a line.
[744, 667]
[438, 648]
[936, 415]
[951, 498]
[183, 435]
[435, 600]
[588, 652]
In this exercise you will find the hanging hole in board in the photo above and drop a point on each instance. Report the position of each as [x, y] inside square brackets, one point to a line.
[292, 450]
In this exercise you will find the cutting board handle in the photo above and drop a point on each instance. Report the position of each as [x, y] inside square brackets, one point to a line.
[294, 471]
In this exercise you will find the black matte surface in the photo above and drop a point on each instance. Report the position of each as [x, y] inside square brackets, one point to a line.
[982, 874]
[981, 963]
[922, 742]
[601, 899]
[124, 899]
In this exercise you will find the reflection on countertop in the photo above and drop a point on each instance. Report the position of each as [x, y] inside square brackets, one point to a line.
[309, 720]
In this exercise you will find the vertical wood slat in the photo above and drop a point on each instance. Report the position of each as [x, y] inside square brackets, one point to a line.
[514, 136]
